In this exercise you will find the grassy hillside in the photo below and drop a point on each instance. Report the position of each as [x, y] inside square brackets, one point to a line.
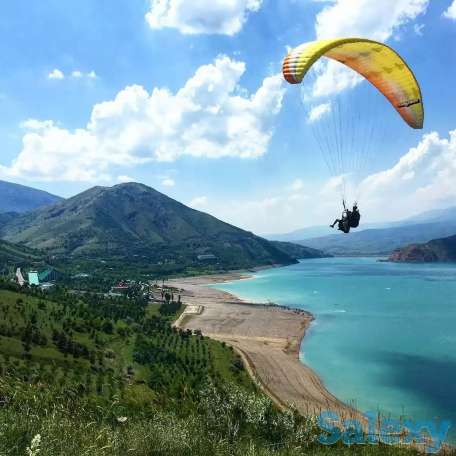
[135, 223]
[97, 376]
[13, 256]
[297, 251]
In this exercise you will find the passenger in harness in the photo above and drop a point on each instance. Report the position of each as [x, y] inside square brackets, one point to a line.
[350, 219]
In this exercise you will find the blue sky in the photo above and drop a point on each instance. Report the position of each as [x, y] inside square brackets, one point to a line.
[187, 97]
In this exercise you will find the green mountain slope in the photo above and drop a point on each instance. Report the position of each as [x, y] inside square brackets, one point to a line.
[13, 256]
[132, 221]
[300, 252]
[19, 198]
[18, 253]
[434, 251]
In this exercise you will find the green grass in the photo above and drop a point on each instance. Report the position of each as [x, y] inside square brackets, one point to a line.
[140, 388]
[232, 423]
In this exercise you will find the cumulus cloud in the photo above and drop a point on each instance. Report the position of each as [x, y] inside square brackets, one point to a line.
[56, 74]
[317, 112]
[225, 17]
[210, 116]
[200, 202]
[333, 78]
[123, 179]
[168, 182]
[373, 19]
[421, 180]
[369, 19]
[450, 13]
[278, 212]
[297, 185]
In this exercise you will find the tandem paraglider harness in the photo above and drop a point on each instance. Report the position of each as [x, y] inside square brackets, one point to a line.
[350, 219]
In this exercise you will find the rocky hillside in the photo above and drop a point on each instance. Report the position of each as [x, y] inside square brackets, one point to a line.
[433, 251]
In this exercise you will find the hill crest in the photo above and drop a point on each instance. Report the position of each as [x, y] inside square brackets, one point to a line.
[20, 198]
[133, 220]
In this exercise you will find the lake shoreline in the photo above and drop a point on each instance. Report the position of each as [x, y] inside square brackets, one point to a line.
[268, 338]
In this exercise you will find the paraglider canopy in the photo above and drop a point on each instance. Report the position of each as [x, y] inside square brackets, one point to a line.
[376, 62]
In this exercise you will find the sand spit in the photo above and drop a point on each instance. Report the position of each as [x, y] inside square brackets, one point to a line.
[268, 337]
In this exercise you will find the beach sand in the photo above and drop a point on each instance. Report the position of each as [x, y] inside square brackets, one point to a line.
[268, 338]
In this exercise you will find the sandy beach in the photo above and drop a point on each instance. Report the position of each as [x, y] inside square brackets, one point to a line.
[268, 337]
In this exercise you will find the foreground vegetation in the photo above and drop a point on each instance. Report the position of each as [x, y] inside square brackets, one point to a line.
[109, 376]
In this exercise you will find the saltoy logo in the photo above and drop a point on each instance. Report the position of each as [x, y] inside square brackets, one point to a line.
[372, 429]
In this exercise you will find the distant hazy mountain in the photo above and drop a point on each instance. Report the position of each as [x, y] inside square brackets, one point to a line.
[131, 221]
[316, 231]
[18, 198]
[383, 241]
[439, 215]
[433, 251]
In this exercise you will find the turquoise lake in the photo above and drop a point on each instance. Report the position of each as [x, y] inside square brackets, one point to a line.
[384, 336]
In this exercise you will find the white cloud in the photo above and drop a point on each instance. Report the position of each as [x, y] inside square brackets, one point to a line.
[369, 18]
[200, 202]
[124, 179]
[378, 20]
[418, 28]
[450, 13]
[274, 213]
[168, 182]
[56, 74]
[317, 112]
[78, 74]
[297, 185]
[225, 17]
[332, 78]
[422, 179]
[208, 117]
[33, 124]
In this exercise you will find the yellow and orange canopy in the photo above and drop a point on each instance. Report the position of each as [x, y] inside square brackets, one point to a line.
[376, 62]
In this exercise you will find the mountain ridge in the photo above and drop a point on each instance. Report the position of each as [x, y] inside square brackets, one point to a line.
[380, 241]
[20, 198]
[132, 220]
[324, 234]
